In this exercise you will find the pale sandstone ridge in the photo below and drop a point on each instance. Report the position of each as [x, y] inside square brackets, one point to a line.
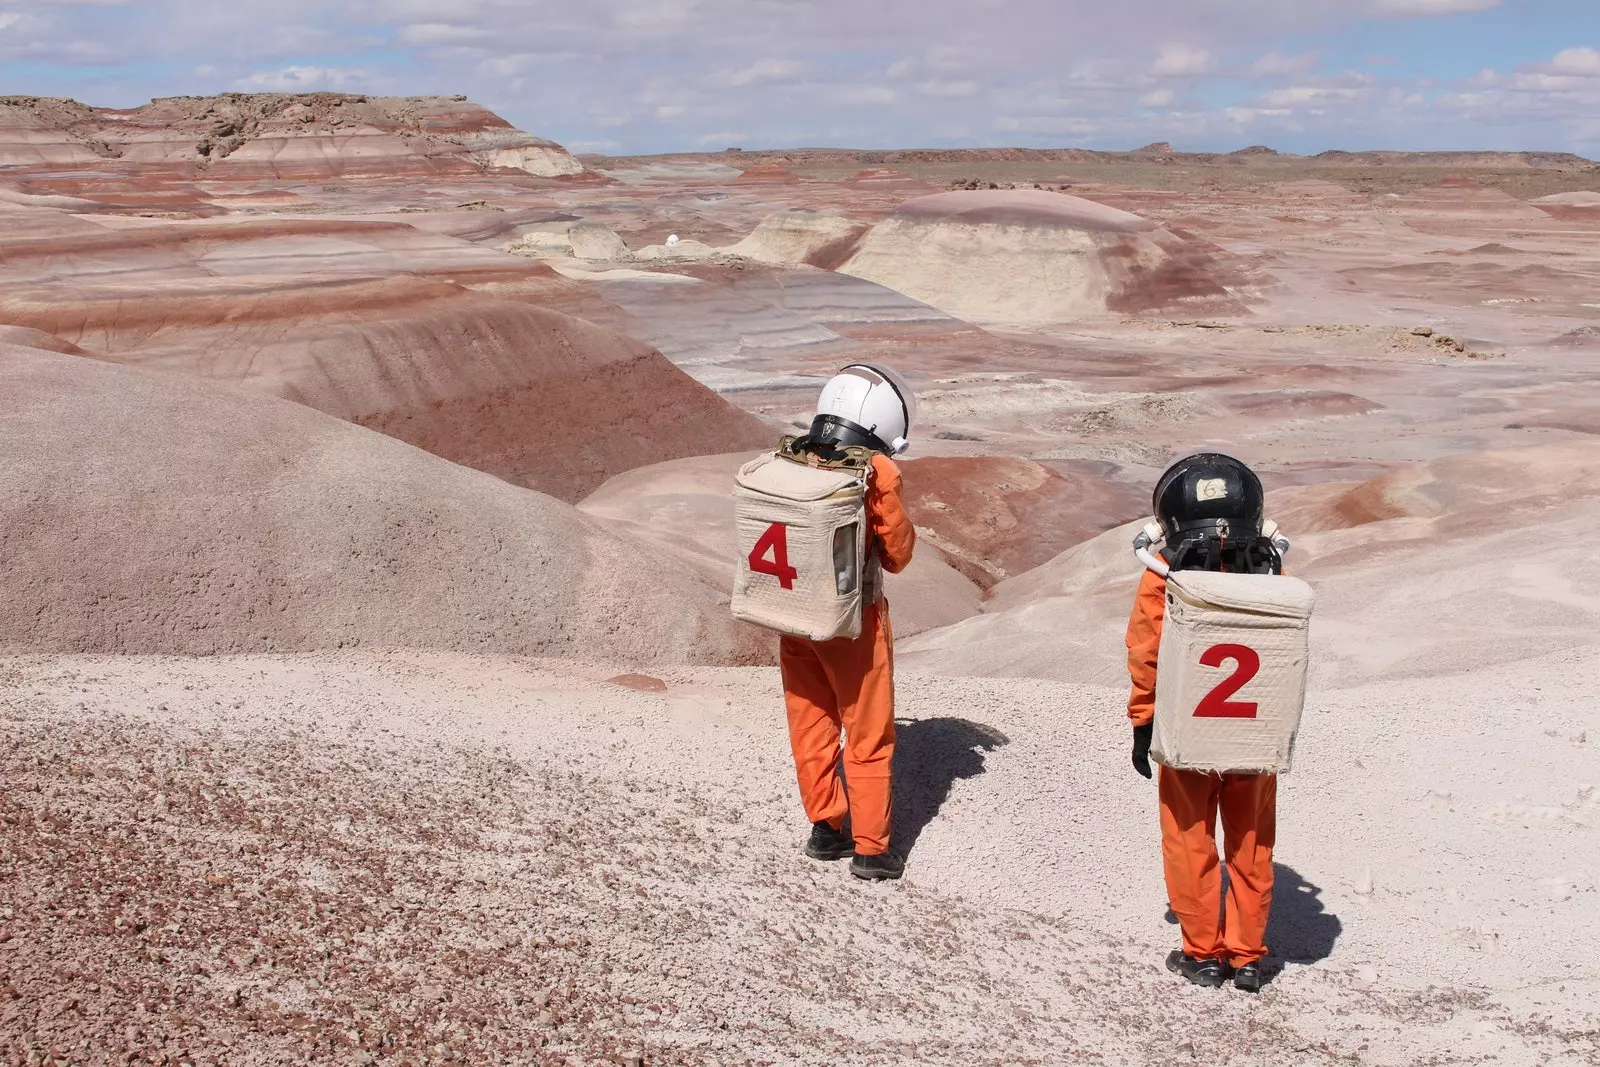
[277, 135]
[144, 512]
[797, 237]
[1028, 256]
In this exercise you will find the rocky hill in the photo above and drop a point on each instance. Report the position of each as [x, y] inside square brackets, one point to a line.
[276, 135]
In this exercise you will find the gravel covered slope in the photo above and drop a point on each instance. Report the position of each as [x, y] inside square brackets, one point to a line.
[400, 858]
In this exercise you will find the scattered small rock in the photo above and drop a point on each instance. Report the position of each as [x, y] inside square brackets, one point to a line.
[641, 683]
[1422, 331]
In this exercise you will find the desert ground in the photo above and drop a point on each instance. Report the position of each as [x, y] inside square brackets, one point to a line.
[368, 684]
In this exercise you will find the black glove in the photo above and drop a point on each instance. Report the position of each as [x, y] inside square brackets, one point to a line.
[1141, 747]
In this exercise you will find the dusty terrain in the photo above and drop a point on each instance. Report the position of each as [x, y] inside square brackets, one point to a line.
[369, 692]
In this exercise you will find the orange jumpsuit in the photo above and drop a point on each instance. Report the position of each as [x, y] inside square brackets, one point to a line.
[1190, 802]
[849, 683]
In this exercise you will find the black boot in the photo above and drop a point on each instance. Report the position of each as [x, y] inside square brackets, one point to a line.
[1248, 978]
[876, 868]
[1207, 973]
[826, 843]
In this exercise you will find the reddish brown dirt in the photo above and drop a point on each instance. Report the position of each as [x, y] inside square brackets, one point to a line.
[996, 516]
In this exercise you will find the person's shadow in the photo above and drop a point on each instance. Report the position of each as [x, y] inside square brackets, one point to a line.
[929, 756]
[1300, 929]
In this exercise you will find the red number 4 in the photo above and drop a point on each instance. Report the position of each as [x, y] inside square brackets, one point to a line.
[1216, 704]
[775, 541]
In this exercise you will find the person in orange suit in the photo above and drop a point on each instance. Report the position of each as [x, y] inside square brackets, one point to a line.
[848, 683]
[1211, 510]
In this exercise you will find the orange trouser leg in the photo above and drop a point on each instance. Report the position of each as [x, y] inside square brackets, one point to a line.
[1189, 858]
[1249, 806]
[1189, 805]
[813, 730]
[859, 696]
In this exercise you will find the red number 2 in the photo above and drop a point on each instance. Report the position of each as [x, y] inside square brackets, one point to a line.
[1216, 704]
[776, 541]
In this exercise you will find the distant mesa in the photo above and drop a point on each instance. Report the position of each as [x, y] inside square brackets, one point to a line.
[1029, 256]
[277, 135]
[1459, 160]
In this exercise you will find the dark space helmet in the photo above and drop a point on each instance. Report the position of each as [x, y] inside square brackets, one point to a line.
[1211, 508]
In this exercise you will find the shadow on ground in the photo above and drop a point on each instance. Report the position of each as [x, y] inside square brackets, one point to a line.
[1301, 929]
[930, 756]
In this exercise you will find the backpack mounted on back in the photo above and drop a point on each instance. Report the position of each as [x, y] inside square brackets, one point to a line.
[805, 565]
[1231, 672]
[1231, 668]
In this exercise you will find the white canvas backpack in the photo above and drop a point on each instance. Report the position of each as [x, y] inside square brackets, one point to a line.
[805, 566]
[1231, 679]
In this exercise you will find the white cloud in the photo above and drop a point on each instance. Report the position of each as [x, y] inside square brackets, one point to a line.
[947, 89]
[304, 79]
[1159, 98]
[764, 72]
[1278, 65]
[855, 95]
[724, 139]
[670, 111]
[1177, 60]
[423, 34]
[1580, 61]
[1305, 95]
[9, 20]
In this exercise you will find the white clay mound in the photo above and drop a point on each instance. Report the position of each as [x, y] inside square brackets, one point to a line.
[798, 237]
[1032, 257]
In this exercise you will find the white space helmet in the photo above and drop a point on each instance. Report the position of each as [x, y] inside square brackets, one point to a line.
[866, 405]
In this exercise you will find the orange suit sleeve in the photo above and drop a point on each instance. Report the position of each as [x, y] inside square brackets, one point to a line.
[1144, 642]
[886, 513]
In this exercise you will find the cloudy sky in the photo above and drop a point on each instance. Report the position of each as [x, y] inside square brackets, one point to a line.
[667, 75]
